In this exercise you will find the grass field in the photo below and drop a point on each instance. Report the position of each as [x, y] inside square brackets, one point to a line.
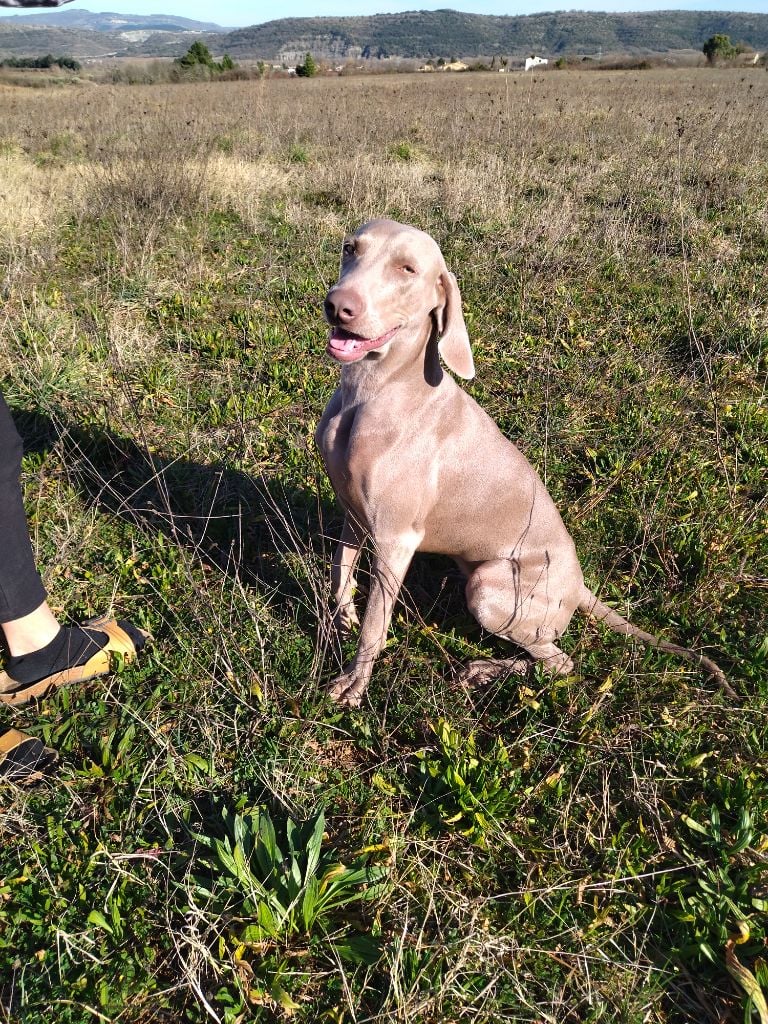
[564, 851]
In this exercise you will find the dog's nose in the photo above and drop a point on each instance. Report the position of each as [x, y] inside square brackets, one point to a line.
[342, 306]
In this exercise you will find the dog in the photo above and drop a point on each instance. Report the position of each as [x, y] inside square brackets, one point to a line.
[418, 466]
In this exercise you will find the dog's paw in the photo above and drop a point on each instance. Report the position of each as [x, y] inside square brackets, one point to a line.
[348, 689]
[480, 673]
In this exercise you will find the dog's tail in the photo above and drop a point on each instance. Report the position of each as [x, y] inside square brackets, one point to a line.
[595, 608]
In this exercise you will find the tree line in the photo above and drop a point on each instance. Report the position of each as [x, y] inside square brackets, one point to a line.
[48, 61]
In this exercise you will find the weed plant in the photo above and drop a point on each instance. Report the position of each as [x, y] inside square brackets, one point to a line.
[565, 851]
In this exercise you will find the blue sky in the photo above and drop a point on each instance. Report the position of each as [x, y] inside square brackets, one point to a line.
[243, 12]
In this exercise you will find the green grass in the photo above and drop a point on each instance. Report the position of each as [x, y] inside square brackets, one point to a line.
[565, 851]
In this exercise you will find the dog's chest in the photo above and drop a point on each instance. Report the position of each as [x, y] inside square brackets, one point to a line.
[336, 441]
[354, 448]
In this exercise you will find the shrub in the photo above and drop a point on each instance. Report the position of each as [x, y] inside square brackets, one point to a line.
[309, 67]
[198, 55]
[720, 46]
[48, 61]
[403, 151]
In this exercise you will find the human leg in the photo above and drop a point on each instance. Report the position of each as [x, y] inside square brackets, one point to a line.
[43, 654]
[21, 590]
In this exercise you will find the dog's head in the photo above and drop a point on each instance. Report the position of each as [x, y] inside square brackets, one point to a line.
[394, 281]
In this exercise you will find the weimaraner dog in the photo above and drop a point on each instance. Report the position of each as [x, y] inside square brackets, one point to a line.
[419, 466]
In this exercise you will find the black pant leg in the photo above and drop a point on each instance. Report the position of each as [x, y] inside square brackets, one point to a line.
[21, 589]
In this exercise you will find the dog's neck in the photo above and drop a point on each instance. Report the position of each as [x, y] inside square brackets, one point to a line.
[411, 362]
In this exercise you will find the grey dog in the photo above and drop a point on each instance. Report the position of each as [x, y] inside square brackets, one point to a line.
[419, 466]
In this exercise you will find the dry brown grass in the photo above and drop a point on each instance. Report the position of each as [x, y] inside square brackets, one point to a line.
[568, 164]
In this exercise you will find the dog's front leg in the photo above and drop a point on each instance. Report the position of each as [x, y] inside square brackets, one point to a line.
[390, 564]
[343, 579]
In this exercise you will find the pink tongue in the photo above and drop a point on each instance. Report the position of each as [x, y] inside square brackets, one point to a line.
[345, 344]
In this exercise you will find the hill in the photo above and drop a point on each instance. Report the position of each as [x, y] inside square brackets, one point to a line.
[413, 34]
[35, 40]
[107, 21]
[84, 34]
[421, 34]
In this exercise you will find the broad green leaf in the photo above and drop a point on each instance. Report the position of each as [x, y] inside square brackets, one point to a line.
[314, 847]
[310, 904]
[97, 918]
[359, 949]
[694, 825]
[196, 761]
[282, 997]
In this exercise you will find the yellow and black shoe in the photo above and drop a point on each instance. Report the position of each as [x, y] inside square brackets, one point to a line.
[73, 656]
[24, 759]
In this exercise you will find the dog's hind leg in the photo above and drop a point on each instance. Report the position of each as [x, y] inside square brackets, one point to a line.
[518, 608]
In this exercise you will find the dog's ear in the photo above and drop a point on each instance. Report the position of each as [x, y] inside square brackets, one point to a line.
[453, 345]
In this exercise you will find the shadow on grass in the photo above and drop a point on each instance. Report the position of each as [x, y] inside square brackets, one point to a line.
[218, 510]
[228, 519]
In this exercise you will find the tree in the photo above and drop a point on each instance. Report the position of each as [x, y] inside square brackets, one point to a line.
[198, 55]
[308, 68]
[719, 46]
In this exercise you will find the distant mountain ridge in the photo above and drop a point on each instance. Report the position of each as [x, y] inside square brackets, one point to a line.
[108, 21]
[415, 35]
[84, 34]
[444, 33]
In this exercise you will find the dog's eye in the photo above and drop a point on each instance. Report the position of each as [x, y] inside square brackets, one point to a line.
[408, 269]
[348, 249]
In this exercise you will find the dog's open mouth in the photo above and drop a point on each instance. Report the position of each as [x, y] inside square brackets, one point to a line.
[347, 347]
